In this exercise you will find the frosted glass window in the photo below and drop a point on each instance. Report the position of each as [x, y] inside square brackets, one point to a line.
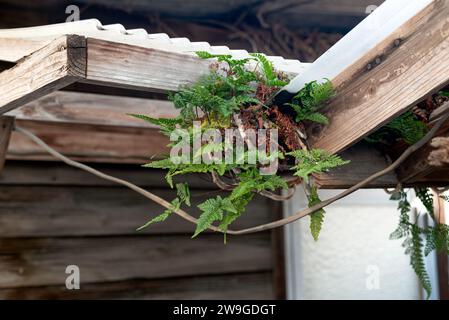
[354, 258]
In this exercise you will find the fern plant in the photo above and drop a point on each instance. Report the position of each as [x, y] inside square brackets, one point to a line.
[406, 127]
[244, 87]
[233, 88]
[317, 217]
[426, 198]
[310, 99]
[314, 161]
[182, 198]
[420, 242]
[417, 259]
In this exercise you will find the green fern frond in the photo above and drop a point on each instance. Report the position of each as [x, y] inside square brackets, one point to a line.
[315, 117]
[272, 183]
[408, 127]
[404, 207]
[425, 195]
[183, 193]
[417, 260]
[314, 161]
[209, 148]
[212, 210]
[183, 197]
[244, 187]
[166, 125]
[303, 114]
[175, 205]
[220, 169]
[317, 217]
[314, 94]
[310, 99]
[271, 78]
[184, 168]
[250, 181]
[239, 204]
[161, 164]
[207, 55]
[437, 238]
[413, 243]
[321, 92]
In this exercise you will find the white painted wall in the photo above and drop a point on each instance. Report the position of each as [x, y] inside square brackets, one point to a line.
[353, 251]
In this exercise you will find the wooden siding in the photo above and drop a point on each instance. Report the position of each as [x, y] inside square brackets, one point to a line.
[52, 216]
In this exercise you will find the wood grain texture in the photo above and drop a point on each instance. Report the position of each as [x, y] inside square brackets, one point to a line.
[365, 161]
[229, 287]
[53, 67]
[42, 261]
[126, 66]
[409, 65]
[417, 167]
[96, 109]
[12, 50]
[92, 143]
[6, 126]
[40, 211]
[47, 173]
[420, 167]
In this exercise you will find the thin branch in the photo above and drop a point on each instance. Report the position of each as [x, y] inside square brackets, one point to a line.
[264, 227]
[102, 175]
[394, 165]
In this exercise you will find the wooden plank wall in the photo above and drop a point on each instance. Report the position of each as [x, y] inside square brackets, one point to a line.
[52, 216]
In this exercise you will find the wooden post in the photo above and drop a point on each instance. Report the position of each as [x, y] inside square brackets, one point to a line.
[6, 126]
[442, 257]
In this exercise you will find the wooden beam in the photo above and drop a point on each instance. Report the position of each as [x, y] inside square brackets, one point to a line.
[409, 64]
[121, 65]
[89, 143]
[94, 109]
[429, 163]
[6, 126]
[55, 66]
[58, 174]
[365, 161]
[13, 49]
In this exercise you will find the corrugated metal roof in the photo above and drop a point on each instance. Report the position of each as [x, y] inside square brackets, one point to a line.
[139, 37]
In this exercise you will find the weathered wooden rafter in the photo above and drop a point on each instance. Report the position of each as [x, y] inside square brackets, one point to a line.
[401, 65]
[430, 161]
[93, 109]
[64, 61]
[53, 67]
